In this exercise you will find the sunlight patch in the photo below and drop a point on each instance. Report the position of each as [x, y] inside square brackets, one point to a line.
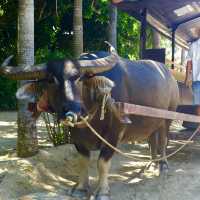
[3, 123]
[9, 135]
[180, 170]
[135, 180]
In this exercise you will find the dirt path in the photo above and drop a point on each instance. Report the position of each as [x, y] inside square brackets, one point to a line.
[54, 170]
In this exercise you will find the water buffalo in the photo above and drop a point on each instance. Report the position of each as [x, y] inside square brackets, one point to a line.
[142, 82]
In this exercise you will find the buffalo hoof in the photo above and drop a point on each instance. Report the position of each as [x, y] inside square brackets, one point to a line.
[80, 193]
[102, 197]
[164, 168]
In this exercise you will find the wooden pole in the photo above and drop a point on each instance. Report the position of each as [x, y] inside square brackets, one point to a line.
[173, 46]
[133, 109]
[143, 32]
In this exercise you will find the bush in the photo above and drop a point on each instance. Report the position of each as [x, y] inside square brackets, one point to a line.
[7, 94]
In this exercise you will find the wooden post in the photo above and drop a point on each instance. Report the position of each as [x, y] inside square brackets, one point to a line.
[156, 39]
[182, 56]
[173, 46]
[143, 32]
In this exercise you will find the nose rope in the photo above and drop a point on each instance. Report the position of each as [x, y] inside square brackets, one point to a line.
[81, 124]
[69, 122]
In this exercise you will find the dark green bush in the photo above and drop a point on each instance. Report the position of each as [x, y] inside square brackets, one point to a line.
[7, 94]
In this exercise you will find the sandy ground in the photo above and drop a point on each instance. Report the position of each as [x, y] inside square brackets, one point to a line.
[51, 173]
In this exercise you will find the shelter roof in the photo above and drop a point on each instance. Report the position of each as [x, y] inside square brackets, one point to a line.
[166, 15]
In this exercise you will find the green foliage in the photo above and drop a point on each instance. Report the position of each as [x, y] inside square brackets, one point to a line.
[44, 54]
[8, 24]
[128, 36]
[95, 23]
[7, 94]
[53, 38]
[1, 11]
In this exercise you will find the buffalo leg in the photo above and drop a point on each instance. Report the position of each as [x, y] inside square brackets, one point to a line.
[104, 163]
[158, 144]
[163, 137]
[81, 190]
[153, 143]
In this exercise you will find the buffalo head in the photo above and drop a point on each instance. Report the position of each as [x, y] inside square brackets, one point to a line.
[52, 87]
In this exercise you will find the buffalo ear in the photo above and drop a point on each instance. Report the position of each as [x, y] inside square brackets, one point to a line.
[27, 92]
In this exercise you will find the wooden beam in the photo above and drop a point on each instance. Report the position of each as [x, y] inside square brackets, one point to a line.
[178, 23]
[133, 109]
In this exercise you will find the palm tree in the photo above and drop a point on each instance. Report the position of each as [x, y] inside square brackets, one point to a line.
[113, 25]
[78, 28]
[27, 143]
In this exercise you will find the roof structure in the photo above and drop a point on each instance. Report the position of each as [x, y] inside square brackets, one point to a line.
[166, 16]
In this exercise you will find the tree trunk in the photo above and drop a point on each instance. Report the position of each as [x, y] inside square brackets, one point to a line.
[113, 25]
[156, 39]
[27, 143]
[78, 28]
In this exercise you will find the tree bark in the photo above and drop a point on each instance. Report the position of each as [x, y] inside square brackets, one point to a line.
[78, 28]
[27, 143]
[113, 25]
[156, 39]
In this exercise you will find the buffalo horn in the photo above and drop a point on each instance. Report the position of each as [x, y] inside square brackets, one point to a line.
[23, 73]
[101, 64]
[6, 61]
